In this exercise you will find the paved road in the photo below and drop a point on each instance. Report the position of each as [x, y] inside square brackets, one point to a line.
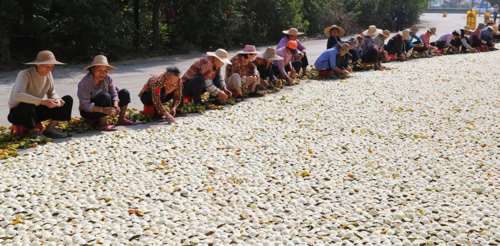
[133, 73]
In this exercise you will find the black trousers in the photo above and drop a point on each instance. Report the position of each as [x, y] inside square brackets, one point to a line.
[268, 73]
[304, 62]
[195, 87]
[28, 115]
[104, 99]
[147, 97]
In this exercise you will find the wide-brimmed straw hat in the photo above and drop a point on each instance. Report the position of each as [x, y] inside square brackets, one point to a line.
[270, 54]
[45, 57]
[328, 29]
[248, 49]
[99, 60]
[372, 31]
[293, 32]
[432, 30]
[221, 55]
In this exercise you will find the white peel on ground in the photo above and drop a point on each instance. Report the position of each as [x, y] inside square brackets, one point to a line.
[405, 156]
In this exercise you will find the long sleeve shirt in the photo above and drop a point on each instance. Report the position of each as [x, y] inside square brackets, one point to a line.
[88, 89]
[284, 41]
[287, 60]
[31, 88]
[206, 69]
[238, 67]
[426, 39]
[327, 60]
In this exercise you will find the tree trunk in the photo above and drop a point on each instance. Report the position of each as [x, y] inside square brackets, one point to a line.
[156, 24]
[137, 22]
[28, 11]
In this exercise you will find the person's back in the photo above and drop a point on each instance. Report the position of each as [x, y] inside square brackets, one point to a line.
[327, 59]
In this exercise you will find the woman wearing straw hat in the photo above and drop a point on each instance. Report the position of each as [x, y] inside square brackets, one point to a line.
[159, 90]
[242, 77]
[33, 99]
[99, 97]
[267, 71]
[204, 75]
[396, 47]
[333, 33]
[371, 54]
[293, 34]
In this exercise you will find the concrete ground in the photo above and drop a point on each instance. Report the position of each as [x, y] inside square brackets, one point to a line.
[132, 74]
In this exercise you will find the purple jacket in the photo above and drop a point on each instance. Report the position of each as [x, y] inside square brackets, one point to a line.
[87, 89]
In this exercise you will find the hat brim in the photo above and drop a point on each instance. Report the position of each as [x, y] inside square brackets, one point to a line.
[327, 30]
[377, 32]
[94, 65]
[45, 63]
[247, 52]
[225, 61]
[286, 32]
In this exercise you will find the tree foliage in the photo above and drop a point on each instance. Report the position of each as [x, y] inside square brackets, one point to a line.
[78, 29]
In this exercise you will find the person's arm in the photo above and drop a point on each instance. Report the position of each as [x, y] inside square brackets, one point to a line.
[281, 67]
[112, 90]
[301, 47]
[466, 44]
[156, 96]
[229, 71]
[83, 94]
[51, 93]
[20, 88]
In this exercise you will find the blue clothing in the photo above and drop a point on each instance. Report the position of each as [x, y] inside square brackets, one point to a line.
[414, 39]
[327, 60]
[487, 35]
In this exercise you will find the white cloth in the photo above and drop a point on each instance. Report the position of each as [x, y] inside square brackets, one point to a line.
[31, 88]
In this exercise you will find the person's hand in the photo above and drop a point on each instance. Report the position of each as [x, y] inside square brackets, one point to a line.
[222, 96]
[60, 102]
[173, 111]
[169, 118]
[50, 103]
[109, 110]
[228, 92]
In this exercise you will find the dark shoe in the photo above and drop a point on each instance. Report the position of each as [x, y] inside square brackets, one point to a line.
[54, 133]
[257, 94]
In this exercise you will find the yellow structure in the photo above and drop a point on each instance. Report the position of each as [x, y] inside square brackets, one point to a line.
[471, 19]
